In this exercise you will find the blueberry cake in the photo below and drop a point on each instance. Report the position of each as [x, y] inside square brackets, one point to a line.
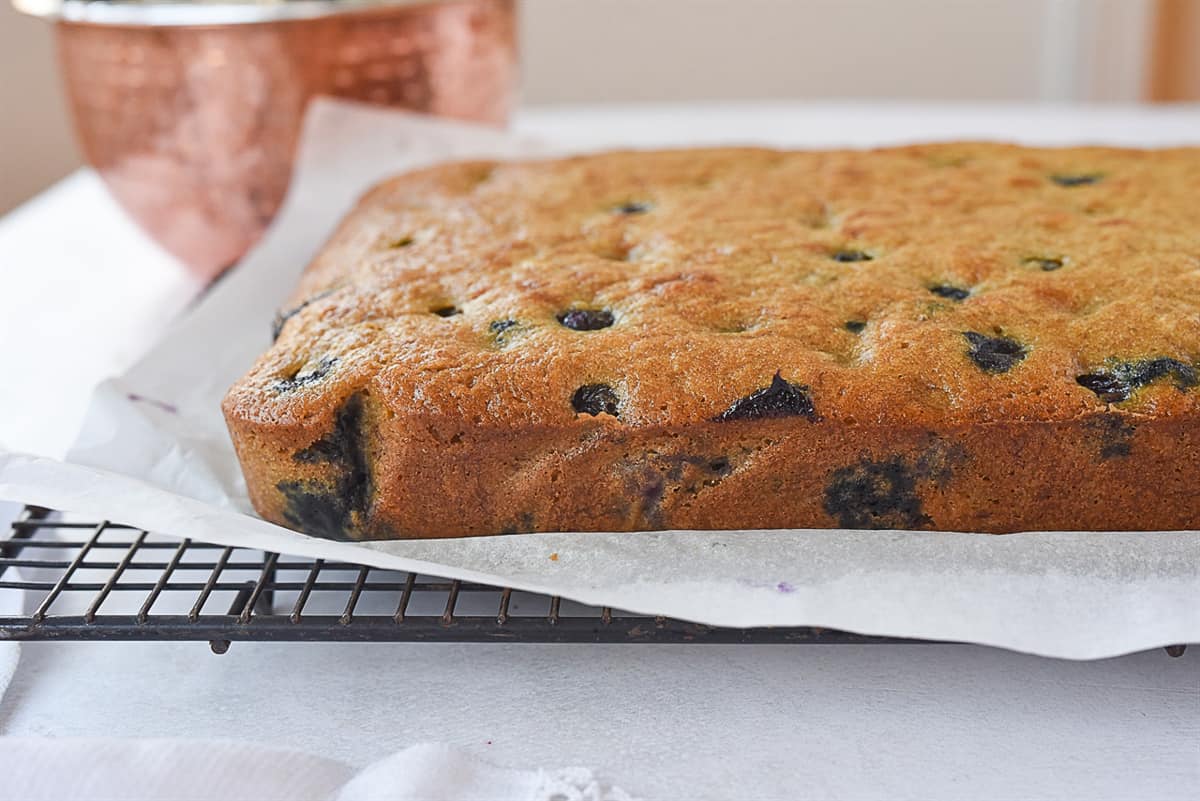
[972, 337]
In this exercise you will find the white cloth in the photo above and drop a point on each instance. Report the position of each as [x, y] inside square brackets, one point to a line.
[87, 769]
[441, 773]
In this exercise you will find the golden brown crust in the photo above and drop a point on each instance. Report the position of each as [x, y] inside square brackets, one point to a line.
[963, 336]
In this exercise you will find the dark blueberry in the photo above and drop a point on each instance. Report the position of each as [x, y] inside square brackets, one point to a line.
[632, 207]
[720, 466]
[1047, 264]
[1115, 436]
[781, 399]
[855, 326]
[586, 319]
[651, 477]
[340, 445]
[500, 326]
[333, 508]
[1076, 179]
[282, 317]
[316, 508]
[446, 311]
[951, 292]
[939, 460]
[651, 492]
[850, 255]
[1109, 387]
[875, 494]
[280, 321]
[304, 379]
[1115, 449]
[526, 523]
[500, 329]
[994, 354]
[595, 399]
[1120, 380]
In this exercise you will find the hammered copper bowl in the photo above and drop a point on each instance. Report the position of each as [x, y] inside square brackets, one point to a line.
[193, 127]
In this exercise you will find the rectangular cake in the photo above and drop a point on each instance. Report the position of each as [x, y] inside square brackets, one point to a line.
[972, 337]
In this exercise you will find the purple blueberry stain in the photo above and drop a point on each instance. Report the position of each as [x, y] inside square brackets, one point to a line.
[784, 587]
[166, 407]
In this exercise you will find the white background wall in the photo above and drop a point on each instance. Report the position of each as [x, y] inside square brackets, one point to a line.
[657, 50]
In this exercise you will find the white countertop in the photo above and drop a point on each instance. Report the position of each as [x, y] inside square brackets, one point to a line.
[83, 293]
[664, 722]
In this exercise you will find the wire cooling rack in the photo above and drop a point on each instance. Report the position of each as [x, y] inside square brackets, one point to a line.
[64, 580]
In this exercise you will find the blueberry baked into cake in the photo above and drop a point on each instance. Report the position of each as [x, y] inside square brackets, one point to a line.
[970, 337]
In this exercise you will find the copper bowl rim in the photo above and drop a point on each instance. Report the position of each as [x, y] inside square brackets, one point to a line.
[184, 13]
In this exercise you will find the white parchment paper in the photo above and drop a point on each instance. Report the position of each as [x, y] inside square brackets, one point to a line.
[154, 453]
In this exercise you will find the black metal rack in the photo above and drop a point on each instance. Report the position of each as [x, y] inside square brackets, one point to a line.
[100, 581]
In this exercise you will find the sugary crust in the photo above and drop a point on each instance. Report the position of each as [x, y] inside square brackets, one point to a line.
[424, 382]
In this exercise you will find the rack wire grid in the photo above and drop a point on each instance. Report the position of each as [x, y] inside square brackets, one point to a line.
[101, 581]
